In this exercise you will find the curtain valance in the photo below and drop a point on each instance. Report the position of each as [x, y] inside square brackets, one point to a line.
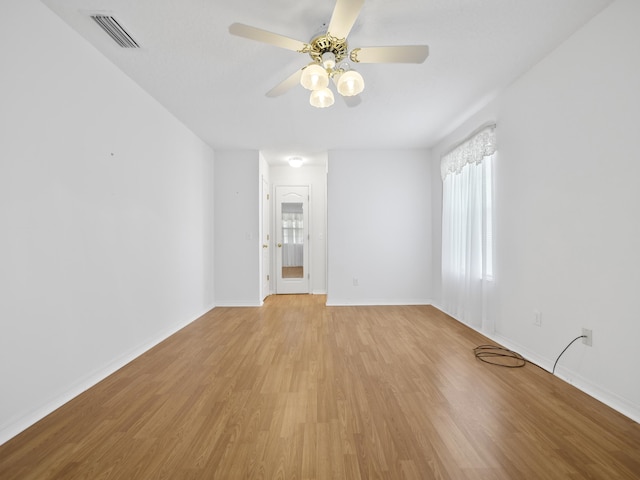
[480, 144]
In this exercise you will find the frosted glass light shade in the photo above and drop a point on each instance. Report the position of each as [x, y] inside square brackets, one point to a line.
[314, 77]
[350, 83]
[329, 60]
[296, 162]
[321, 98]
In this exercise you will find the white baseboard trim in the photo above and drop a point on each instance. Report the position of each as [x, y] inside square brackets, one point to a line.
[374, 302]
[16, 426]
[239, 303]
[619, 404]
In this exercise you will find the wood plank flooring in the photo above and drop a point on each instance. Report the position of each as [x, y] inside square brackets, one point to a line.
[297, 390]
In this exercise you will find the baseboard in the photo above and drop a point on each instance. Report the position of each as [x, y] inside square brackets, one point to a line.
[374, 302]
[239, 303]
[13, 428]
[619, 404]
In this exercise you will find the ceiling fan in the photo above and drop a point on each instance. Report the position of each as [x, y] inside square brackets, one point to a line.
[329, 52]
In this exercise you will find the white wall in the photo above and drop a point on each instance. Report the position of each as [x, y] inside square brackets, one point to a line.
[568, 218]
[379, 227]
[237, 215]
[316, 178]
[105, 215]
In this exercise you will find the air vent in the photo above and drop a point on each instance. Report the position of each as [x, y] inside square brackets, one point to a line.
[115, 31]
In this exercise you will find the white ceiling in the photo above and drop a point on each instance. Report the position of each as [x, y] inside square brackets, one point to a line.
[215, 83]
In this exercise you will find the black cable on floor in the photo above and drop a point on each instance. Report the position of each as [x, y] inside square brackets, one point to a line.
[565, 349]
[495, 355]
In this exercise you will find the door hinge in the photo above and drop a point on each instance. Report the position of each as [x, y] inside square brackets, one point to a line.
[267, 278]
[267, 196]
[267, 236]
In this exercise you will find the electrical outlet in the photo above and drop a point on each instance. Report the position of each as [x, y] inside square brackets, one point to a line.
[355, 282]
[587, 339]
[537, 318]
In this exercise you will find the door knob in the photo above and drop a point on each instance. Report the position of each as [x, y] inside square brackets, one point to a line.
[265, 246]
[279, 245]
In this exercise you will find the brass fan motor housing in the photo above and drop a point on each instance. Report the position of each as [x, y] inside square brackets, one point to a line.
[327, 43]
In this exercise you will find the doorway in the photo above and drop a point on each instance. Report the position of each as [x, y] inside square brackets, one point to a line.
[274, 172]
[292, 239]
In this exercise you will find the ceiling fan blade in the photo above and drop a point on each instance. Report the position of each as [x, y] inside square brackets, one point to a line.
[395, 54]
[344, 16]
[286, 85]
[264, 36]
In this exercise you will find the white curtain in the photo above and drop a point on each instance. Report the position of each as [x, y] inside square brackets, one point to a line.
[467, 229]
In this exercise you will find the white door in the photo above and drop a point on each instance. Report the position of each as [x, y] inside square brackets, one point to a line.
[292, 239]
[266, 241]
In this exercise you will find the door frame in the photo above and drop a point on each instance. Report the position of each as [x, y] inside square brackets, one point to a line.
[265, 283]
[292, 286]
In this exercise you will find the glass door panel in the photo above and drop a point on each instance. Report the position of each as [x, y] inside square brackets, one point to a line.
[292, 240]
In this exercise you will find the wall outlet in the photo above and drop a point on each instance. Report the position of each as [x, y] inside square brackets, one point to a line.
[355, 282]
[537, 318]
[588, 337]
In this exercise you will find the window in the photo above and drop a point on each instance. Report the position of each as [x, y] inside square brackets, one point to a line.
[467, 227]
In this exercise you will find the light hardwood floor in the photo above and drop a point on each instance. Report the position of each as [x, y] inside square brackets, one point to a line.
[297, 390]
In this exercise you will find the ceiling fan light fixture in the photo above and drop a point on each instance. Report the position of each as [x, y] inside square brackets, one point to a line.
[350, 83]
[314, 77]
[327, 49]
[321, 98]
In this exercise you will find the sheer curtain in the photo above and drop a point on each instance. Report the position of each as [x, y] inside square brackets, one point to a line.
[467, 228]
